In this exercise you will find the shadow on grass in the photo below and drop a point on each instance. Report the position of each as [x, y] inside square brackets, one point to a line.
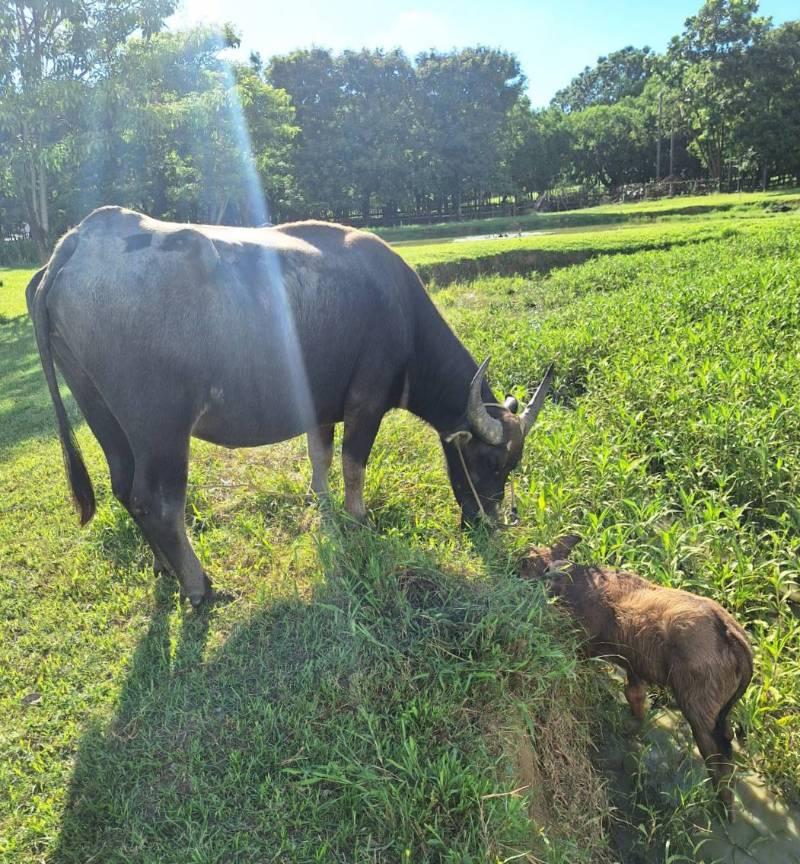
[522, 262]
[107, 776]
[348, 725]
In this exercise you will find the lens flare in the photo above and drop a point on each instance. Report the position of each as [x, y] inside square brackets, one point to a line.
[272, 288]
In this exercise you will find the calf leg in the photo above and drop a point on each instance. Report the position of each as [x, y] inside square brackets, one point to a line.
[636, 695]
[320, 452]
[158, 501]
[718, 757]
[360, 428]
[723, 738]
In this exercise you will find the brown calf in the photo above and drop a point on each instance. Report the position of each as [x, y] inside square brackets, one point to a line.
[660, 636]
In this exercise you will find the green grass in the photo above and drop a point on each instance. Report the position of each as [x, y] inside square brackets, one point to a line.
[380, 694]
[731, 205]
[464, 260]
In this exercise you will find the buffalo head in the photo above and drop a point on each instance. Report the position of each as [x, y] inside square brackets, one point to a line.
[482, 454]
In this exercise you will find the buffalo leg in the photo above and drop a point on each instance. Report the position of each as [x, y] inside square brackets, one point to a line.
[320, 452]
[360, 429]
[109, 434]
[158, 500]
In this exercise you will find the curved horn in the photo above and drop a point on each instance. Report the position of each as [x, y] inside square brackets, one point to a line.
[486, 427]
[532, 409]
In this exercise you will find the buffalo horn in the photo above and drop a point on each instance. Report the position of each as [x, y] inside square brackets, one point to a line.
[486, 427]
[532, 409]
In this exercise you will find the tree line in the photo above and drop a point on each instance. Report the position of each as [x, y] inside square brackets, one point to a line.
[100, 104]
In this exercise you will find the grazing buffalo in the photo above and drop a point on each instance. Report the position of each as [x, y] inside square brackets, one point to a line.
[245, 336]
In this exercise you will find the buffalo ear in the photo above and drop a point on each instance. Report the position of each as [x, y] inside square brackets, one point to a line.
[511, 404]
[564, 545]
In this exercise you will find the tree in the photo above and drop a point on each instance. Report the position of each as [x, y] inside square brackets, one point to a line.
[464, 102]
[188, 136]
[769, 130]
[613, 78]
[52, 53]
[707, 66]
[272, 130]
[611, 144]
[537, 147]
[378, 125]
[313, 80]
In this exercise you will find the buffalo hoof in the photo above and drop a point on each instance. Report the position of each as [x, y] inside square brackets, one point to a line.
[321, 500]
[159, 567]
[202, 597]
[356, 521]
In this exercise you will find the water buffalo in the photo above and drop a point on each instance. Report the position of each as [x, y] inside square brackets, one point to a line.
[248, 336]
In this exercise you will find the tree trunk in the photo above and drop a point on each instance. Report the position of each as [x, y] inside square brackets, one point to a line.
[36, 212]
[44, 209]
[39, 237]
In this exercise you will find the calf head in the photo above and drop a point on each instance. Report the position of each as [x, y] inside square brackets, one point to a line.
[481, 455]
[549, 561]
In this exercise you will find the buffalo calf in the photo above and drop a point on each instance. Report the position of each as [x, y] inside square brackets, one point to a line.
[660, 636]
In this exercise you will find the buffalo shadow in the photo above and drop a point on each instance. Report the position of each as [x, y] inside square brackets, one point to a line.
[218, 756]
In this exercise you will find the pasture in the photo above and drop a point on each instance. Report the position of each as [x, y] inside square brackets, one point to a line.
[679, 209]
[394, 692]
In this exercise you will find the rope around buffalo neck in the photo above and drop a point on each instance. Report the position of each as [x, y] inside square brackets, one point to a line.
[513, 511]
[457, 442]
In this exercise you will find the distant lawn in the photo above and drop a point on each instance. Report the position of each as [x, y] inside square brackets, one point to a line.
[733, 204]
[453, 261]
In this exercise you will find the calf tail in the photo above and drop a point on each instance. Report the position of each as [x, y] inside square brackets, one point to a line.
[737, 641]
[36, 296]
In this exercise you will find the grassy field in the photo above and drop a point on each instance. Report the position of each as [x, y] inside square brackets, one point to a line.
[393, 693]
[730, 205]
[445, 262]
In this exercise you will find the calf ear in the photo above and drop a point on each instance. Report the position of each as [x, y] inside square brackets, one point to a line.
[511, 404]
[564, 545]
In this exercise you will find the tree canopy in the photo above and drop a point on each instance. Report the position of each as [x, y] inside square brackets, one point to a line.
[99, 104]
[623, 73]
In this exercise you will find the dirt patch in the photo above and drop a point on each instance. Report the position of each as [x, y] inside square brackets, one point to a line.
[567, 798]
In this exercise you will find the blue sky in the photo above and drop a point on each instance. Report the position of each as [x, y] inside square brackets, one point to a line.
[553, 40]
